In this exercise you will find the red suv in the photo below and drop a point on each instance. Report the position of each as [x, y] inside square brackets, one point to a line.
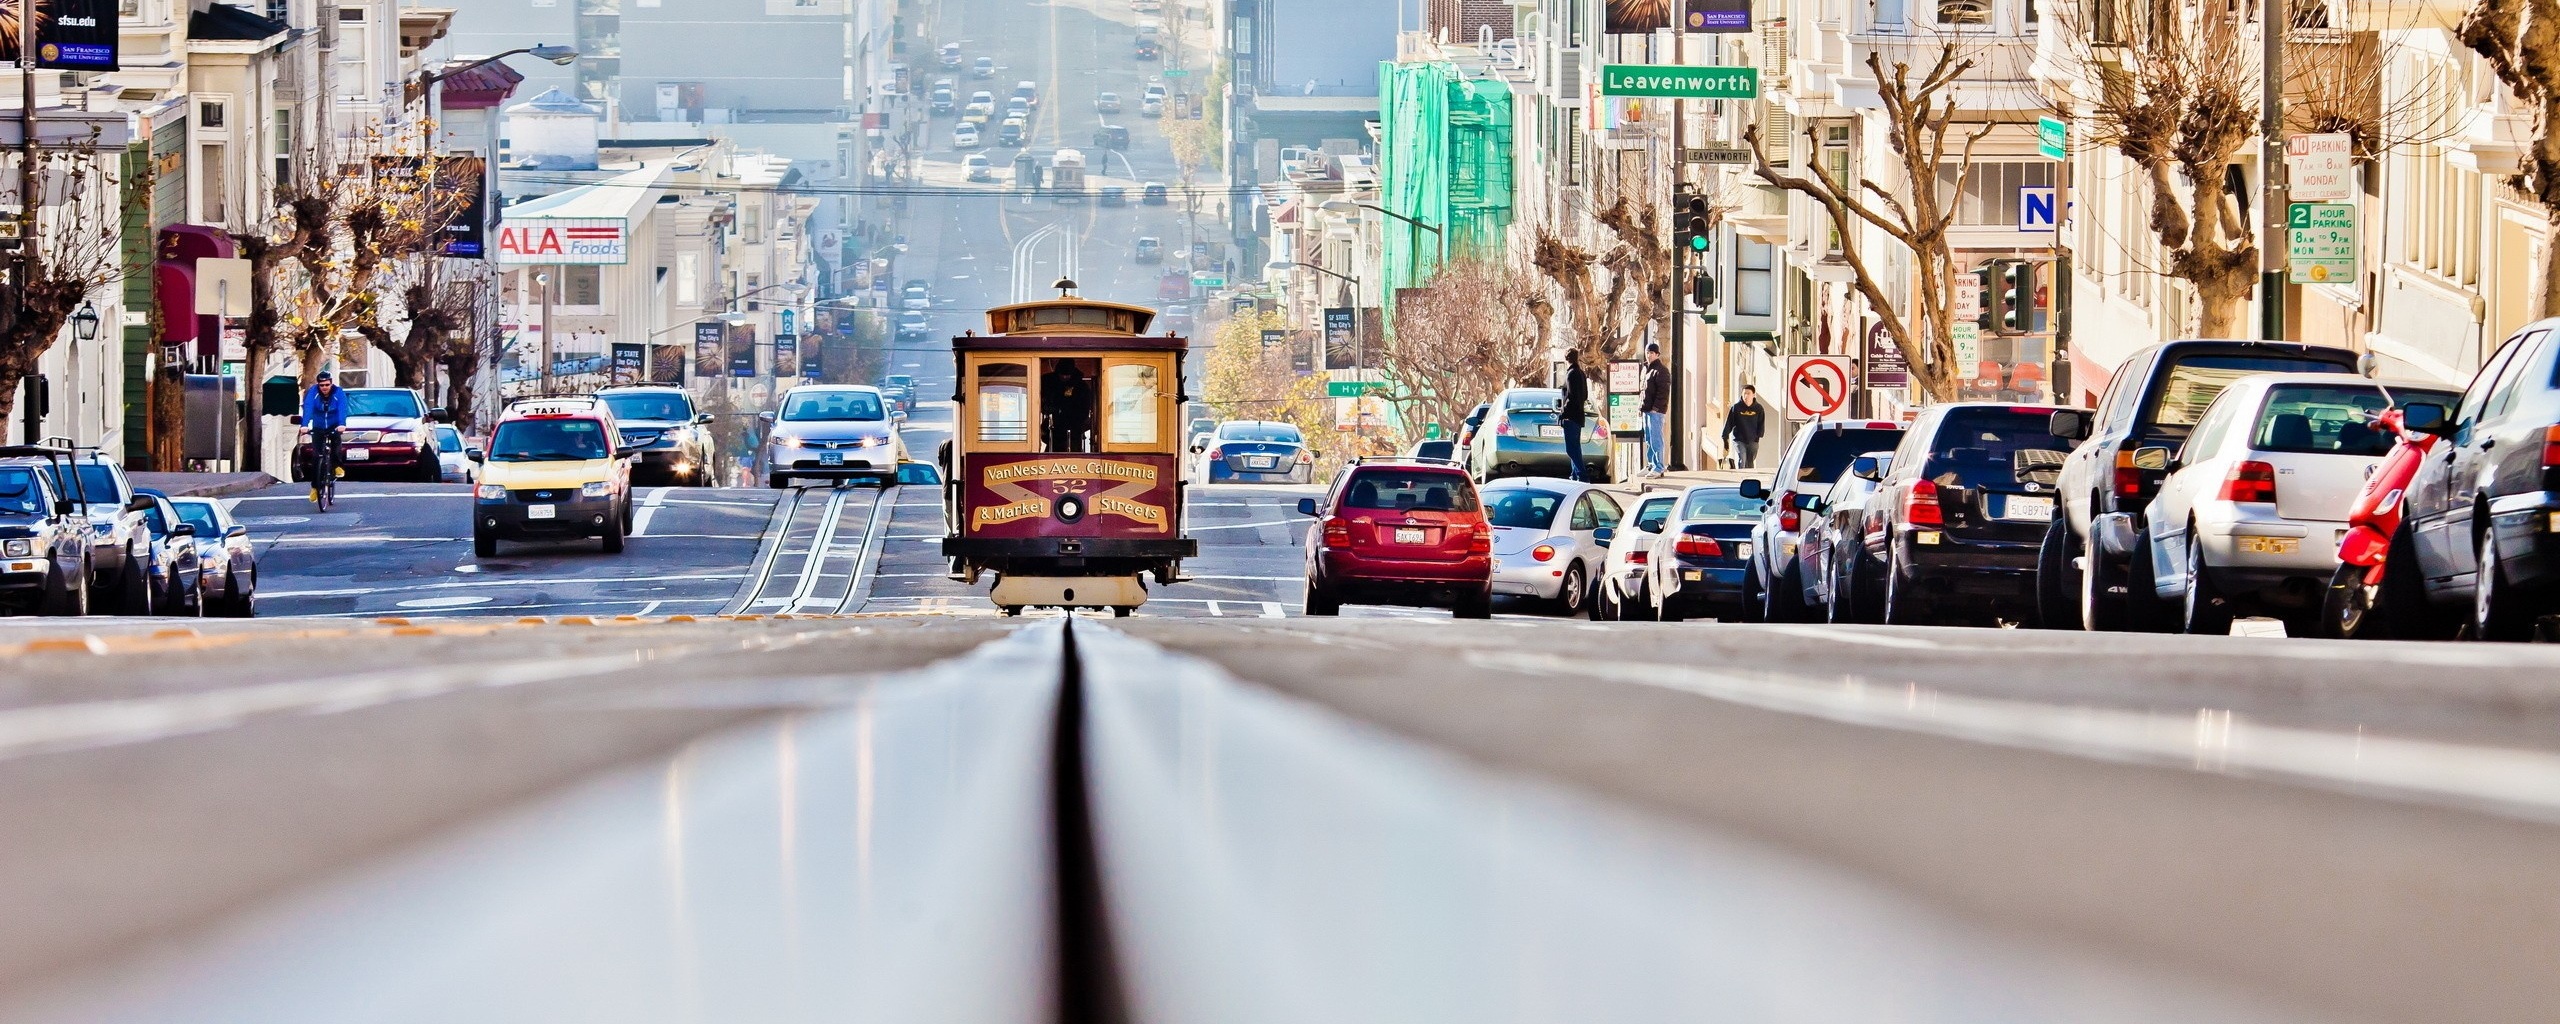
[1400, 533]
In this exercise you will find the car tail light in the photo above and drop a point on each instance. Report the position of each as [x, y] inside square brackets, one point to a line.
[1789, 519]
[1638, 557]
[1503, 428]
[1479, 541]
[1543, 552]
[1337, 534]
[1883, 425]
[2551, 447]
[2250, 481]
[1306, 456]
[1920, 506]
[2128, 479]
[1697, 545]
[1217, 453]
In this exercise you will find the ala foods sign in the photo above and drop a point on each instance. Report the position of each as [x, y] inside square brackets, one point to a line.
[599, 241]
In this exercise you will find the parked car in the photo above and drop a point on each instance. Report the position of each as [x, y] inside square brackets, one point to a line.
[1255, 451]
[2246, 521]
[120, 540]
[1106, 103]
[1965, 507]
[1847, 572]
[965, 136]
[672, 436]
[2153, 400]
[1521, 436]
[1698, 566]
[1779, 584]
[1150, 250]
[983, 67]
[1399, 533]
[230, 560]
[831, 432]
[45, 539]
[1550, 537]
[454, 456]
[1153, 193]
[385, 438]
[976, 166]
[1474, 422]
[2484, 517]
[177, 565]
[1622, 571]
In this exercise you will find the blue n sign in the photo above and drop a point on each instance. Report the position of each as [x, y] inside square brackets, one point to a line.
[2036, 209]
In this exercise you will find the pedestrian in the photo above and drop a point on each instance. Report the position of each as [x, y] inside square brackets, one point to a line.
[1574, 413]
[1743, 425]
[1656, 407]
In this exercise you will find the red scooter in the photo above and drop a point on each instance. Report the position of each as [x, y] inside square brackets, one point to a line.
[2366, 599]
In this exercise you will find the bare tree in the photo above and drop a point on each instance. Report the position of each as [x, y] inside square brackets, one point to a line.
[2521, 41]
[1463, 338]
[378, 206]
[435, 307]
[75, 252]
[466, 352]
[1591, 308]
[1920, 120]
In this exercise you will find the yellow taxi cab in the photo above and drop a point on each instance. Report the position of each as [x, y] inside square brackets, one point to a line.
[556, 468]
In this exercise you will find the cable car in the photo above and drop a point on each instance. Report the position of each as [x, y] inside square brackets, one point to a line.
[1063, 477]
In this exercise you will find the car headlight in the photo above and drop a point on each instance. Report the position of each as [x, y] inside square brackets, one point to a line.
[595, 489]
[21, 548]
[491, 492]
[787, 441]
[876, 442]
[398, 437]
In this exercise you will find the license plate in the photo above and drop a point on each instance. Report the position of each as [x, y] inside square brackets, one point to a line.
[1551, 432]
[2270, 545]
[2022, 507]
[831, 458]
[358, 454]
[1261, 462]
[1692, 575]
[1408, 535]
[542, 511]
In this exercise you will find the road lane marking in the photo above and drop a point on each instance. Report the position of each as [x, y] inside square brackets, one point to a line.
[867, 559]
[2515, 782]
[461, 584]
[821, 547]
[300, 541]
[306, 498]
[1195, 528]
[648, 511]
[1215, 610]
[1834, 633]
[1271, 610]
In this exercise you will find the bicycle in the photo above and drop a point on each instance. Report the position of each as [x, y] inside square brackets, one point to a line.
[324, 469]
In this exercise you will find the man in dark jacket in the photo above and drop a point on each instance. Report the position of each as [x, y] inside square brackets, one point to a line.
[1575, 412]
[1743, 425]
[1656, 407]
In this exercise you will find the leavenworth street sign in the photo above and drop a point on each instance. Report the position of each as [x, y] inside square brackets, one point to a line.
[1679, 82]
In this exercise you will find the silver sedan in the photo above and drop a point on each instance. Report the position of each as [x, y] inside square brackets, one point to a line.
[832, 432]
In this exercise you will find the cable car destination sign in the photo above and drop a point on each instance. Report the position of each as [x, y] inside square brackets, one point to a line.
[1680, 82]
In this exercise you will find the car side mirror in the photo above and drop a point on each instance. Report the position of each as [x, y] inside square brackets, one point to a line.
[236, 531]
[624, 453]
[1197, 449]
[1754, 490]
[2071, 424]
[1307, 506]
[295, 419]
[2424, 417]
[62, 506]
[704, 419]
[440, 415]
[475, 455]
[138, 504]
[1604, 535]
[183, 530]
[765, 416]
[2154, 459]
[1807, 502]
[1866, 467]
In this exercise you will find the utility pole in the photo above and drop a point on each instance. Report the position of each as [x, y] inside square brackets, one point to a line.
[544, 281]
[1675, 443]
[27, 196]
[2273, 19]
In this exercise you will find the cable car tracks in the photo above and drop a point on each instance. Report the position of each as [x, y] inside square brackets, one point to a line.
[819, 547]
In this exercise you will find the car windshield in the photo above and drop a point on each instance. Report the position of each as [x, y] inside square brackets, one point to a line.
[393, 402]
[2330, 419]
[1829, 453]
[2197, 380]
[664, 408]
[20, 495]
[1523, 507]
[1281, 433]
[1651, 515]
[199, 514]
[159, 520]
[1410, 490]
[96, 485]
[1995, 447]
[1718, 503]
[1533, 399]
[564, 440]
[832, 405]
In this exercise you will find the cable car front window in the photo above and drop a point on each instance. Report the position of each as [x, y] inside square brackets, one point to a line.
[1004, 402]
[1133, 393]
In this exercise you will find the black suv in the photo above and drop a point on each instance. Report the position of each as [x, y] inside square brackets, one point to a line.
[1964, 509]
[1777, 585]
[674, 440]
[2152, 401]
[44, 539]
[2483, 515]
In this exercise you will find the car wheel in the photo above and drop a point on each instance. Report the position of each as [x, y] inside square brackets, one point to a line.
[484, 544]
[1605, 609]
[2349, 609]
[1322, 600]
[2103, 593]
[2056, 579]
[1901, 606]
[2207, 612]
[133, 588]
[1575, 592]
[2144, 611]
[430, 468]
[1842, 608]
[1478, 605]
[612, 538]
[1782, 598]
[2496, 615]
[776, 482]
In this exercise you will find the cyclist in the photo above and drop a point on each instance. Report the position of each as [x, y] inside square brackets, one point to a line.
[324, 411]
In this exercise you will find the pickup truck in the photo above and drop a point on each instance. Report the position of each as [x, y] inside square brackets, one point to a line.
[120, 538]
[2095, 547]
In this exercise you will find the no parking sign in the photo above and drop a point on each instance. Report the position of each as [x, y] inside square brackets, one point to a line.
[1818, 386]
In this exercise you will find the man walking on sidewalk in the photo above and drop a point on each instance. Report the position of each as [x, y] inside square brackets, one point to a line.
[1575, 412]
[1656, 406]
[1743, 425]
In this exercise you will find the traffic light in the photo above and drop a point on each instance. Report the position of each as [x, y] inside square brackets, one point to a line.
[1695, 235]
[1982, 278]
[1702, 289]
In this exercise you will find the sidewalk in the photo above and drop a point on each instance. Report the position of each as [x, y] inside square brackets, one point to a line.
[202, 485]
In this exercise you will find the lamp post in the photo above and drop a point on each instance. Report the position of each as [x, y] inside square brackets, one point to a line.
[560, 55]
[1347, 205]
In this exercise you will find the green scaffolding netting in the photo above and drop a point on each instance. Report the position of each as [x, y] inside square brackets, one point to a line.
[1444, 160]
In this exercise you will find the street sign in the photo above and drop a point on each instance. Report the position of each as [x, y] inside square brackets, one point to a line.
[1680, 82]
[1966, 336]
[1176, 73]
[2320, 168]
[1272, 336]
[1208, 279]
[2053, 137]
[1716, 155]
[2320, 243]
[1885, 366]
[1350, 388]
[1968, 297]
[1817, 386]
[2036, 209]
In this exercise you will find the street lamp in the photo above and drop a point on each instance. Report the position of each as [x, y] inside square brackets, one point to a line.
[84, 324]
[1346, 206]
[561, 55]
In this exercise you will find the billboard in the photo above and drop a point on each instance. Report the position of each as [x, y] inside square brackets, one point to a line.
[1637, 16]
[1341, 339]
[467, 236]
[629, 363]
[742, 350]
[709, 349]
[73, 35]
[583, 241]
[666, 364]
[786, 355]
